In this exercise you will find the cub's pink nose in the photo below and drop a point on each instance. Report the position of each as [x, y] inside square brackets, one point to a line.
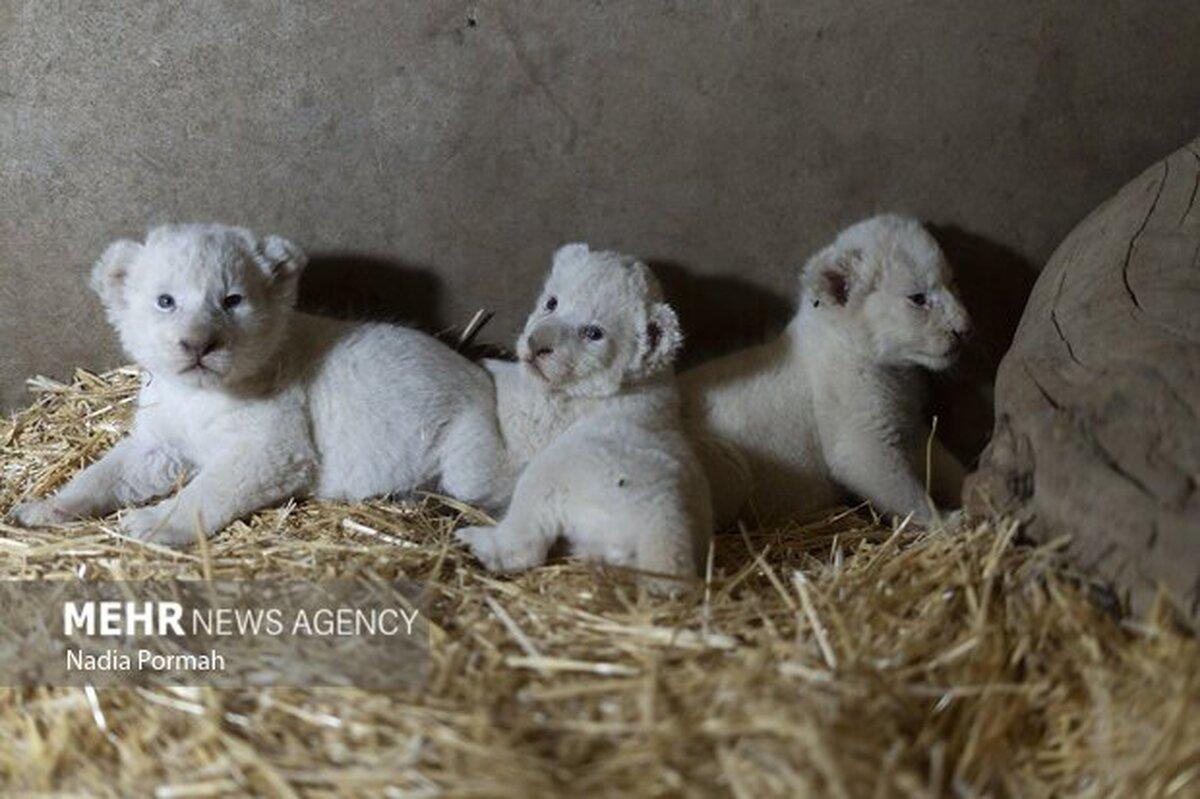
[199, 347]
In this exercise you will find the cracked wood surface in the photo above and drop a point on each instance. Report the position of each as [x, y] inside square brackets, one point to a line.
[1097, 433]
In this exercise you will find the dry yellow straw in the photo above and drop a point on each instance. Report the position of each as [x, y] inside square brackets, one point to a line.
[898, 662]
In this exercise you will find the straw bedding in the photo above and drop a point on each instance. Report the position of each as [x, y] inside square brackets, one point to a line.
[837, 657]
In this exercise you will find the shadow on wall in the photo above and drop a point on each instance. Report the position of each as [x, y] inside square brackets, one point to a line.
[369, 288]
[995, 284]
[351, 286]
[720, 314]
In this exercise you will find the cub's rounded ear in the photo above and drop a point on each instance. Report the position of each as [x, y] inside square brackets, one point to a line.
[280, 259]
[111, 271]
[570, 251]
[566, 257]
[832, 276]
[660, 340]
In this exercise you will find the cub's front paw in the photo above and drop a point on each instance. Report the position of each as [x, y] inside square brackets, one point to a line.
[499, 552]
[157, 524]
[39, 513]
[480, 540]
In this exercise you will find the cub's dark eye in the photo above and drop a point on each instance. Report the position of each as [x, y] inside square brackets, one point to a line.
[166, 302]
[591, 332]
[551, 303]
[917, 299]
[231, 301]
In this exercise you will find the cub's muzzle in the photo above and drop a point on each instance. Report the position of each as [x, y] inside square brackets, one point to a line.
[542, 340]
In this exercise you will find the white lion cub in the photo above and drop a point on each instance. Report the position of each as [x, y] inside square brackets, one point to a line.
[592, 406]
[253, 402]
[834, 403]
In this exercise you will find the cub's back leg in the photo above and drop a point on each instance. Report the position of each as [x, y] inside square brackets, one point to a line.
[649, 512]
[475, 466]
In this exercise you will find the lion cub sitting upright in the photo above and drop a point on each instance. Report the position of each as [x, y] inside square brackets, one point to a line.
[833, 405]
[254, 402]
[592, 407]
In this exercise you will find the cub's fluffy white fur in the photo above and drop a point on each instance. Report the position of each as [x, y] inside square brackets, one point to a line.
[834, 403]
[251, 402]
[592, 409]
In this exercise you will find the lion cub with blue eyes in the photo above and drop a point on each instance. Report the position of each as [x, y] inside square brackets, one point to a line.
[833, 405]
[252, 402]
[592, 413]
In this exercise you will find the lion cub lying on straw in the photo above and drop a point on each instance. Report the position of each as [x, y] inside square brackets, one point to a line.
[255, 402]
[592, 406]
[834, 403]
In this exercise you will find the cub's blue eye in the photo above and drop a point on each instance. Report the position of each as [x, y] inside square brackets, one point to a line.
[166, 302]
[231, 301]
[551, 303]
[591, 332]
[917, 299]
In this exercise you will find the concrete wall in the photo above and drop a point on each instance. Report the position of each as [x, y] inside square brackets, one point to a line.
[432, 154]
